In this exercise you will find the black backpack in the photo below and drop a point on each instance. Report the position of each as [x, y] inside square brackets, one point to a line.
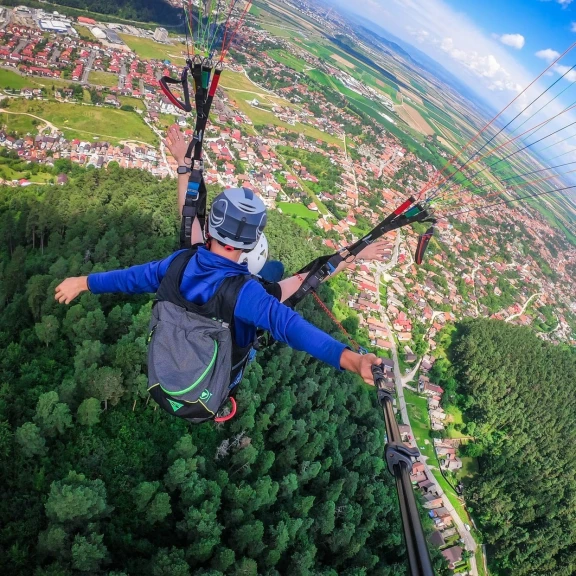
[193, 358]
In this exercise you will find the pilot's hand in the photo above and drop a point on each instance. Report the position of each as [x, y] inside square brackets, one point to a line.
[70, 288]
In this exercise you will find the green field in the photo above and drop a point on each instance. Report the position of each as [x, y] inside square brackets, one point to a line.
[8, 173]
[19, 124]
[297, 209]
[13, 81]
[78, 121]
[287, 59]
[151, 50]
[261, 116]
[438, 111]
[129, 101]
[106, 79]
[418, 413]
[418, 86]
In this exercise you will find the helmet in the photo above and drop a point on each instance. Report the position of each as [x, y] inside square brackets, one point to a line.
[237, 218]
[256, 258]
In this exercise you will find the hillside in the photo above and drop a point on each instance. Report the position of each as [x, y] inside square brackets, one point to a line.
[157, 11]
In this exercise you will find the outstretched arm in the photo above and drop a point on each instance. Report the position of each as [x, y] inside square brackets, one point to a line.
[134, 280]
[177, 145]
[374, 251]
[259, 309]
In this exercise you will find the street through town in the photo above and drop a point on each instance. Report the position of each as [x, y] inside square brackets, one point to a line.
[466, 536]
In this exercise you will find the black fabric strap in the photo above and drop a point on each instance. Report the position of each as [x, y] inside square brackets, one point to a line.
[222, 304]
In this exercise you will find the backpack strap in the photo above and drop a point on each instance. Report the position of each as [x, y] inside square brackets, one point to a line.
[222, 304]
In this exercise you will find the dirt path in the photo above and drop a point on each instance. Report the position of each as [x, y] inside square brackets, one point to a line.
[48, 124]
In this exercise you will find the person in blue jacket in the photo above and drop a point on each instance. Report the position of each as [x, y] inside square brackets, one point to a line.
[237, 219]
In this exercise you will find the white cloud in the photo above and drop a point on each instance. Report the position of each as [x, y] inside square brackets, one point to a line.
[568, 70]
[515, 40]
[573, 27]
[563, 3]
[548, 54]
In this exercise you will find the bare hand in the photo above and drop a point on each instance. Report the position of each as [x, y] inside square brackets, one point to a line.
[176, 143]
[66, 291]
[360, 364]
[374, 251]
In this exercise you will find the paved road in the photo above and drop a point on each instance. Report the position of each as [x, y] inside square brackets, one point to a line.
[54, 56]
[21, 45]
[469, 541]
[89, 65]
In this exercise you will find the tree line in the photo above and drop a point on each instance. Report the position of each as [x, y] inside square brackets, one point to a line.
[518, 392]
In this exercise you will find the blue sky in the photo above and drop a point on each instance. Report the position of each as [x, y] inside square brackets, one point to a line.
[542, 24]
[496, 47]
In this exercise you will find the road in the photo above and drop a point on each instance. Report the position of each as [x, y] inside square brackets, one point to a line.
[526, 304]
[353, 170]
[476, 268]
[89, 65]
[55, 55]
[122, 76]
[468, 539]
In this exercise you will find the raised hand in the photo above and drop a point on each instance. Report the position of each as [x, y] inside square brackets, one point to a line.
[374, 251]
[176, 144]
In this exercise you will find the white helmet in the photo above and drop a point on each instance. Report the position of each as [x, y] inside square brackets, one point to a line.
[257, 257]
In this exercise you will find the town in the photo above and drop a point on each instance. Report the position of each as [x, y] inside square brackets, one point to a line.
[336, 173]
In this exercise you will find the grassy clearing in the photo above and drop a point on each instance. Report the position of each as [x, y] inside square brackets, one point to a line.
[469, 468]
[106, 79]
[418, 414]
[129, 101]
[295, 209]
[261, 116]
[84, 32]
[239, 81]
[480, 561]
[281, 31]
[11, 80]
[151, 50]
[19, 124]
[88, 121]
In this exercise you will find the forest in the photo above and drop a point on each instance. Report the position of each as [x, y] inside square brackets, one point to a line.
[519, 393]
[158, 11]
[96, 480]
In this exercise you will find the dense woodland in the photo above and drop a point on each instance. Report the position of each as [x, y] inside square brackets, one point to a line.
[158, 11]
[519, 393]
[95, 480]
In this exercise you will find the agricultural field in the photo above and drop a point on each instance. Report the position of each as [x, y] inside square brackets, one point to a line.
[77, 121]
[151, 50]
[105, 79]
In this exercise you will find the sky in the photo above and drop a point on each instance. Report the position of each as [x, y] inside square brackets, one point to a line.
[496, 47]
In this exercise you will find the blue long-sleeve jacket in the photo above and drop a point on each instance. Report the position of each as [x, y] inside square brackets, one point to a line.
[255, 308]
